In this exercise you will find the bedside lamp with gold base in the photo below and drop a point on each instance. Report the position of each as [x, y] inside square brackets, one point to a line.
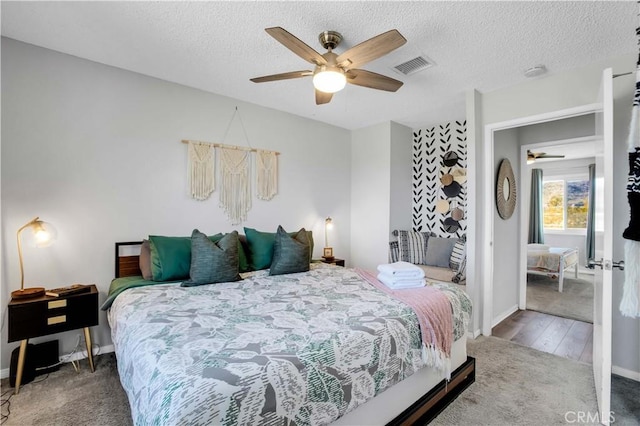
[43, 234]
[328, 251]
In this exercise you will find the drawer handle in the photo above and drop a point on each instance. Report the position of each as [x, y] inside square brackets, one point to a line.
[57, 320]
[58, 304]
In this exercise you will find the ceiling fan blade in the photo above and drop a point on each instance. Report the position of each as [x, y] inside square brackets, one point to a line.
[283, 76]
[296, 45]
[371, 49]
[372, 80]
[323, 98]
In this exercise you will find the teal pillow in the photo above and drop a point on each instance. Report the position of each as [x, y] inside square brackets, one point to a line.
[171, 257]
[260, 247]
[290, 252]
[213, 262]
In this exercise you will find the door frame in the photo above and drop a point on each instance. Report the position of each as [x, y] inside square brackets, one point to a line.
[490, 213]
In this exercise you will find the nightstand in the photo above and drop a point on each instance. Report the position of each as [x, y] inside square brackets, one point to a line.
[334, 261]
[45, 315]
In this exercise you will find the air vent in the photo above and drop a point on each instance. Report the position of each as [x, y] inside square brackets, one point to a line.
[414, 65]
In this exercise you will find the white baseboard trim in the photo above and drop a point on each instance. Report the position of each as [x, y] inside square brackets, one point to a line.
[4, 373]
[503, 316]
[629, 374]
[473, 334]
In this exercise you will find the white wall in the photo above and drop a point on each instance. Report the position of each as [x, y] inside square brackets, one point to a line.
[557, 130]
[506, 231]
[556, 92]
[370, 199]
[96, 151]
[401, 177]
[380, 190]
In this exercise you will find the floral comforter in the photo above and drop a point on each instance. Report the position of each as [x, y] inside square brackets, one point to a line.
[299, 349]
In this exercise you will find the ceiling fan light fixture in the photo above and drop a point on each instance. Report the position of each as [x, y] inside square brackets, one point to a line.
[329, 80]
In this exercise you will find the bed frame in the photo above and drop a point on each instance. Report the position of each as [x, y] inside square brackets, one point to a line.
[563, 266]
[425, 409]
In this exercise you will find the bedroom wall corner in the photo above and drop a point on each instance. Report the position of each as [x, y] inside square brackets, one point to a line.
[370, 195]
[96, 151]
[401, 177]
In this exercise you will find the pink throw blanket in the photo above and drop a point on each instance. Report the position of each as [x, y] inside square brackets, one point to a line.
[434, 314]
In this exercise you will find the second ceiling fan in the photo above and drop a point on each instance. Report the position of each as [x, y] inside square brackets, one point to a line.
[533, 156]
[333, 71]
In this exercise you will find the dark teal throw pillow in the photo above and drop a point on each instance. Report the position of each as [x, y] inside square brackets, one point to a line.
[260, 247]
[213, 262]
[171, 257]
[290, 253]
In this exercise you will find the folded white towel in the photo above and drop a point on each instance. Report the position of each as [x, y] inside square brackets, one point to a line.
[401, 269]
[397, 284]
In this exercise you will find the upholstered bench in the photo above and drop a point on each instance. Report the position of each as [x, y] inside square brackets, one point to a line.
[441, 259]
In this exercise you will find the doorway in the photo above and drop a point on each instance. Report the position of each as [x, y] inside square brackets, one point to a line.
[557, 281]
[505, 242]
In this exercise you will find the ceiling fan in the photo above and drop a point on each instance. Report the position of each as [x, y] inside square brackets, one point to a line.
[533, 156]
[333, 71]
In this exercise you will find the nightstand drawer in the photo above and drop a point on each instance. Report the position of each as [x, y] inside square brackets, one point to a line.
[46, 315]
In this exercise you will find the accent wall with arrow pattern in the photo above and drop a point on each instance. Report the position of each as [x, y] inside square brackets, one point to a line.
[430, 144]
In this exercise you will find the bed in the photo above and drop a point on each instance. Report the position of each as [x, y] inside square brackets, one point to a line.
[319, 347]
[551, 261]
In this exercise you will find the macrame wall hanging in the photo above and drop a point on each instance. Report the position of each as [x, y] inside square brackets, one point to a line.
[266, 174]
[630, 303]
[235, 176]
[235, 195]
[201, 170]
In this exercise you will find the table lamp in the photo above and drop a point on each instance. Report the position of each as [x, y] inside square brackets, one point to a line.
[328, 251]
[42, 234]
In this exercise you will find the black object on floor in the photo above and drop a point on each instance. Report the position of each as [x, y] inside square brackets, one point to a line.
[39, 359]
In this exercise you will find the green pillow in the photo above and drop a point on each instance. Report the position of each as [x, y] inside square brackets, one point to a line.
[171, 257]
[213, 262]
[260, 247]
[290, 252]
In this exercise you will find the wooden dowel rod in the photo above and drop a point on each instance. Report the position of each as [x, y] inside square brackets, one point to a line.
[219, 145]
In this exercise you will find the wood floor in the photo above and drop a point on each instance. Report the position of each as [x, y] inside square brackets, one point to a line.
[560, 336]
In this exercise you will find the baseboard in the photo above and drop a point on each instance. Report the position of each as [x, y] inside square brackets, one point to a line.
[473, 334]
[629, 374]
[4, 373]
[503, 316]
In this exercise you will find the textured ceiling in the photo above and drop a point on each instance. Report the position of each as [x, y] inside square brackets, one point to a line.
[218, 46]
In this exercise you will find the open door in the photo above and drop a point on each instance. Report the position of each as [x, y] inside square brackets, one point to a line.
[603, 263]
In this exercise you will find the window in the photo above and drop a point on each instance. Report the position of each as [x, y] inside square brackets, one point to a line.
[565, 204]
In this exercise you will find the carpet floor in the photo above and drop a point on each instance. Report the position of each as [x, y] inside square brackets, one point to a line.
[575, 301]
[514, 385]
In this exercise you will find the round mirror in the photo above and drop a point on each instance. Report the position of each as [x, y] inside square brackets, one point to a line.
[450, 159]
[505, 190]
[451, 225]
